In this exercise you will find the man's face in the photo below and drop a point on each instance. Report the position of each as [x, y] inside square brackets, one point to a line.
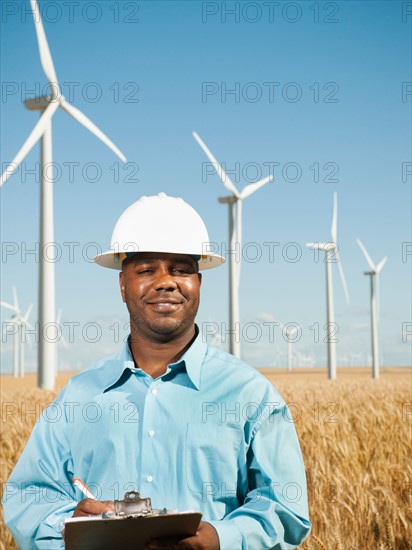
[162, 293]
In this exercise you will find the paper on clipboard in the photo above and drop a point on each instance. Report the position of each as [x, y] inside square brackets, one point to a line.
[127, 532]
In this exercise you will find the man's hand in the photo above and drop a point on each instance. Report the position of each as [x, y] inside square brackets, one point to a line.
[91, 507]
[206, 538]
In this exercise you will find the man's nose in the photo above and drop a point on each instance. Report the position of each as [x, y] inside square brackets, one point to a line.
[165, 280]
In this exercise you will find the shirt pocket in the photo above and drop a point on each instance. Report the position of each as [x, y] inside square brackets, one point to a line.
[212, 458]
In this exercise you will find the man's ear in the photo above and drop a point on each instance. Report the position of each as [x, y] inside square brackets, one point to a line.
[200, 278]
[121, 283]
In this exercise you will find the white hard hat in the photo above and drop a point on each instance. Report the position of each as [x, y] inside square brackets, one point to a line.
[160, 224]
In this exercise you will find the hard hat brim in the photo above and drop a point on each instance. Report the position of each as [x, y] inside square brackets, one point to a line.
[114, 260]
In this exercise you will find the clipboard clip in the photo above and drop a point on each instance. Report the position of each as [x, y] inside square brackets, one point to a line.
[133, 505]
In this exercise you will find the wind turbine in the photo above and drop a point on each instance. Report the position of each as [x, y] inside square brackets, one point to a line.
[15, 308]
[48, 105]
[21, 323]
[289, 332]
[374, 278]
[331, 250]
[234, 202]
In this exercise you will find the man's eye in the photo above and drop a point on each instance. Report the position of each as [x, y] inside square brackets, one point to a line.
[180, 270]
[144, 271]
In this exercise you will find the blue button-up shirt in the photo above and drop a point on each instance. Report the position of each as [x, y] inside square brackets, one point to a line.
[211, 434]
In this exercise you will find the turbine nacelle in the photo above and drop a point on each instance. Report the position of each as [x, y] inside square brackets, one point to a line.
[41, 103]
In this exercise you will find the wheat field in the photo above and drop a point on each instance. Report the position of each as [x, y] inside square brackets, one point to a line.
[355, 435]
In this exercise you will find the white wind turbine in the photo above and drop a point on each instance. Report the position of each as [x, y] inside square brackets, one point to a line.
[234, 201]
[331, 250]
[16, 310]
[47, 105]
[288, 333]
[374, 278]
[20, 323]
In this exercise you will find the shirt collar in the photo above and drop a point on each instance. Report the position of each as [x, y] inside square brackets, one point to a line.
[118, 365]
[192, 360]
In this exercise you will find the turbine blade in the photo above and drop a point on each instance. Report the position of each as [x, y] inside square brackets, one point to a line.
[320, 246]
[64, 342]
[381, 264]
[45, 55]
[333, 230]
[87, 123]
[222, 174]
[342, 275]
[8, 306]
[252, 187]
[365, 253]
[27, 313]
[34, 136]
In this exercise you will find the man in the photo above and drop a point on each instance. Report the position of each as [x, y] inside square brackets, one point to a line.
[182, 422]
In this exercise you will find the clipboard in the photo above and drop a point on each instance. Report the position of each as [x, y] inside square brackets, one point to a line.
[132, 525]
[127, 532]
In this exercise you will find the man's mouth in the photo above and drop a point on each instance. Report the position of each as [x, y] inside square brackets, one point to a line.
[165, 306]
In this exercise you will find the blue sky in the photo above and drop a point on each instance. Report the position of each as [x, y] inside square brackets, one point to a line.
[317, 92]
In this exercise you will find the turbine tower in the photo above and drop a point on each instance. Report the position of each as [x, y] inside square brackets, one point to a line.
[48, 105]
[23, 324]
[289, 332]
[375, 313]
[234, 202]
[16, 310]
[331, 251]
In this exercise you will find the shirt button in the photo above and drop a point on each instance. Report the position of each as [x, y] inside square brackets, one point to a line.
[151, 433]
[154, 391]
[149, 479]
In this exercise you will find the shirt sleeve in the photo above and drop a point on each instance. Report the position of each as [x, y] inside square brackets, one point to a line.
[39, 493]
[274, 513]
